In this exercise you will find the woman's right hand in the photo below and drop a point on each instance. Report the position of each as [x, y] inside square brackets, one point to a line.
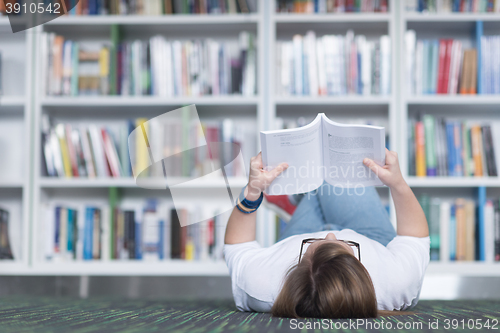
[390, 173]
[260, 179]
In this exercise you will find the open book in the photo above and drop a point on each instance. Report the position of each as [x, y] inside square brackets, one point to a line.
[323, 151]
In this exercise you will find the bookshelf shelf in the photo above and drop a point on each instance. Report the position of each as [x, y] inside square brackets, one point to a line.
[148, 101]
[15, 137]
[156, 20]
[11, 183]
[454, 100]
[326, 100]
[451, 17]
[330, 18]
[464, 268]
[130, 183]
[121, 268]
[111, 111]
[453, 181]
[14, 268]
[470, 109]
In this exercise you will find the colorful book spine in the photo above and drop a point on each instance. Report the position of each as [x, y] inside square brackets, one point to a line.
[138, 238]
[5, 248]
[447, 64]
[88, 233]
[71, 232]
[489, 226]
[444, 67]
[479, 35]
[460, 229]
[481, 235]
[451, 148]
[157, 67]
[457, 146]
[441, 67]
[329, 6]
[476, 150]
[453, 234]
[497, 230]
[430, 145]
[434, 228]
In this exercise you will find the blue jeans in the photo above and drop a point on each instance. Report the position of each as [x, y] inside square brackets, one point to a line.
[335, 208]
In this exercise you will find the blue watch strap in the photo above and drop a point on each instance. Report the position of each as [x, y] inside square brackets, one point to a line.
[250, 203]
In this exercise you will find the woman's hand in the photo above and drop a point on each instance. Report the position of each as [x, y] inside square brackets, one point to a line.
[260, 179]
[390, 173]
[410, 217]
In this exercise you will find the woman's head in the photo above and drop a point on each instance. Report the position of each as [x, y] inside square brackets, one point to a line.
[329, 282]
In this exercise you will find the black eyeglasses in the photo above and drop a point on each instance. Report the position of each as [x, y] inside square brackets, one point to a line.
[312, 240]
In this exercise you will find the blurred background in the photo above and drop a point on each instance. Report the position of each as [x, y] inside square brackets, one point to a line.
[74, 223]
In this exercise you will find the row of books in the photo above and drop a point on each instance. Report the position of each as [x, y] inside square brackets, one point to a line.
[455, 6]
[144, 232]
[463, 230]
[440, 147]
[490, 66]
[103, 151]
[159, 67]
[5, 249]
[331, 6]
[152, 7]
[440, 66]
[333, 65]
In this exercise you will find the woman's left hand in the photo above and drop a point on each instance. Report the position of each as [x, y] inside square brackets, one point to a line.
[390, 173]
[260, 179]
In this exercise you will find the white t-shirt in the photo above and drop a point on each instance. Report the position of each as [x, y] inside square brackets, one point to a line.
[397, 271]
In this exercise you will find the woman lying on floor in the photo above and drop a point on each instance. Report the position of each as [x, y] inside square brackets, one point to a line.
[338, 257]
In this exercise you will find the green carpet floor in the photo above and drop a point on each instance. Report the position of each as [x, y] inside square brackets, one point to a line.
[42, 314]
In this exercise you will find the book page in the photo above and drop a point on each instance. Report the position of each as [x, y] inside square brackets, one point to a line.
[301, 149]
[345, 147]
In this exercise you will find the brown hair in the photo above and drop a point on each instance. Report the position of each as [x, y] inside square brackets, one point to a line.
[331, 283]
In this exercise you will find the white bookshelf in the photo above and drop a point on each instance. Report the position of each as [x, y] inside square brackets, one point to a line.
[474, 107]
[148, 101]
[15, 141]
[110, 109]
[333, 100]
[134, 268]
